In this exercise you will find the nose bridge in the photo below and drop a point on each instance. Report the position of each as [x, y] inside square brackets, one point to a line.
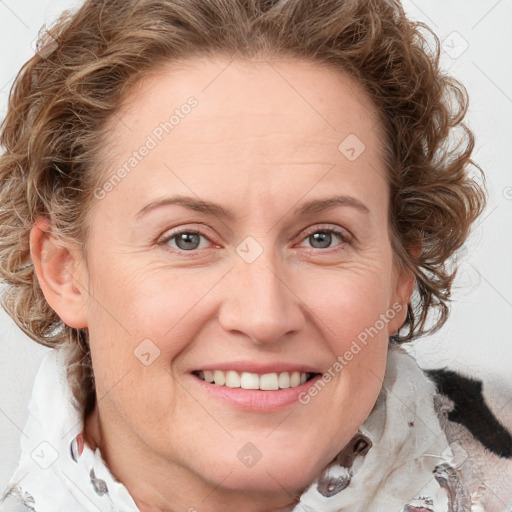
[259, 301]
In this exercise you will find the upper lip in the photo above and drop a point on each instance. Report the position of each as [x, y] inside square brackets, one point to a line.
[259, 368]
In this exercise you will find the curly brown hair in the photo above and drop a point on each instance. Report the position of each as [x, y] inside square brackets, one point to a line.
[88, 60]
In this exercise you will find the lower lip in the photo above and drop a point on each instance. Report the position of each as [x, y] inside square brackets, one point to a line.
[256, 400]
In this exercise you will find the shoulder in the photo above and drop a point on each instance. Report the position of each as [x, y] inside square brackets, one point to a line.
[404, 463]
[476, 415]
[16, 500]
[473, 410]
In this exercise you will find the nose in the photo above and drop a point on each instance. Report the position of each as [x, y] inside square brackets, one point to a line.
[260, 303]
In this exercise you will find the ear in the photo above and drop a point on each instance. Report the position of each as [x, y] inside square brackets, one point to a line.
[60, 272]
[404, 287]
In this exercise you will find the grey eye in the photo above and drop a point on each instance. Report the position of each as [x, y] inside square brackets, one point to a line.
[188, 240]
[321, 239]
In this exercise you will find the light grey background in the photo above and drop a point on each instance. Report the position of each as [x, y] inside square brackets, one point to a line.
[477, 338]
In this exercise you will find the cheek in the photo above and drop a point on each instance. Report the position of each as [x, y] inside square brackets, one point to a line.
[142, 301]
[350, 303]
[355, 316]
[138, 316]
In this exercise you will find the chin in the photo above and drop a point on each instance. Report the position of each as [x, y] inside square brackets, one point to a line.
[274, 472]
[265, 482]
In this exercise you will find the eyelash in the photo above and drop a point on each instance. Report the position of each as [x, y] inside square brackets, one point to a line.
[344, 236]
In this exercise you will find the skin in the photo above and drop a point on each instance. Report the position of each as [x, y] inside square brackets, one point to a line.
[262, 140]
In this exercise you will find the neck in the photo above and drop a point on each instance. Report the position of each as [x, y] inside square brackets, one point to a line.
[157, 485]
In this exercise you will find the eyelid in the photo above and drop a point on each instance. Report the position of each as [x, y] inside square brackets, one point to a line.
[345, 235]
[164, 239]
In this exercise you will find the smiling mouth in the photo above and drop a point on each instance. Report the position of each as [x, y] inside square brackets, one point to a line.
[246, 380]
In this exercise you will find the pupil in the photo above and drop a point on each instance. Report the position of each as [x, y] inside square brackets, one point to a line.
[321, 237]
[184, 239]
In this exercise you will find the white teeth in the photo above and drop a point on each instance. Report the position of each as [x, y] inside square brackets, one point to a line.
[232, 379]
[294, 379]
[247, 380]
[269, 382]
[219, 378]
[284, 380]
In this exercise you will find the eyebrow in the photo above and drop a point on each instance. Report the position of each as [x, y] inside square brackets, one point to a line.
[309, 208]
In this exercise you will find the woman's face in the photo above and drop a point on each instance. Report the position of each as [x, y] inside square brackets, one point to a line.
[275, 260]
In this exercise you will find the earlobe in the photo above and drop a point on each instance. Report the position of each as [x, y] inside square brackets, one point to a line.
[58, 269]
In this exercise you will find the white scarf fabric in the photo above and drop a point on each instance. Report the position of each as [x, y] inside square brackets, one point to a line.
[409, 450]
[388, 466]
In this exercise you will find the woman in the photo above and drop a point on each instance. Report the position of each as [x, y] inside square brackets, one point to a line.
[217, 213]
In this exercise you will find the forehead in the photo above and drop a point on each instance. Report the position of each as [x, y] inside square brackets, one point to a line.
[302, 88]
[252, 122]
